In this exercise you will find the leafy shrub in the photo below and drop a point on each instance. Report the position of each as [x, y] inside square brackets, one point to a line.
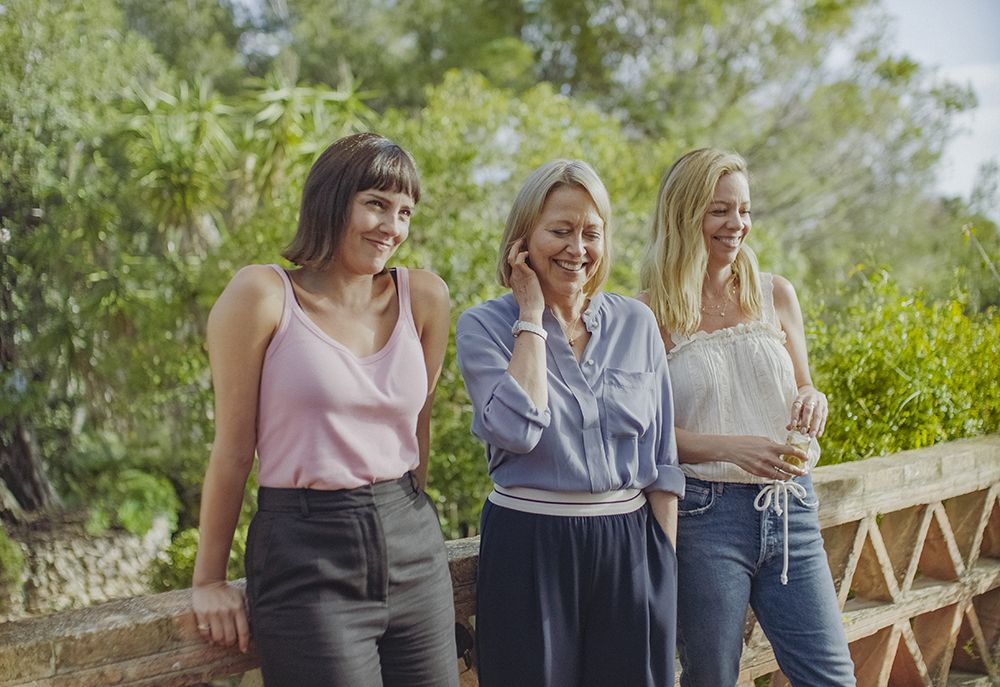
[175, 567]
[900, 372]
[131, 499]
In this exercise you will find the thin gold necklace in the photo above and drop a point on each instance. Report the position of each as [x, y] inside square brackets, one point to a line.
[562, 325]
[719, 310]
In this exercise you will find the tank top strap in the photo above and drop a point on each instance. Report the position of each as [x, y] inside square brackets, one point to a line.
[289, 302]
[767, 311]
[403, 289]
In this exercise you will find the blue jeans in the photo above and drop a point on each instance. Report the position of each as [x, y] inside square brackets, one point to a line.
[729, 556]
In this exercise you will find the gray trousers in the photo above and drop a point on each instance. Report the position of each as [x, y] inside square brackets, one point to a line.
[350, 588]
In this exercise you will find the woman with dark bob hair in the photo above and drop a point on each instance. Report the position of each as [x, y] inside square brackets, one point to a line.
[570, 394]
[327, 373]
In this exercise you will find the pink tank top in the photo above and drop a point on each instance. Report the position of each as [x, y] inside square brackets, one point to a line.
[328, 419]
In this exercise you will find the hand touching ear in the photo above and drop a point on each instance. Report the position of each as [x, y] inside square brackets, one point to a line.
[524, 283]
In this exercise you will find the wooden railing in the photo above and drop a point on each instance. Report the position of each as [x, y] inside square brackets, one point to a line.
[913, 541]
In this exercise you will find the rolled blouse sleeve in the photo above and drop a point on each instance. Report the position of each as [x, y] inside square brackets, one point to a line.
[504, 415]
[668, 472]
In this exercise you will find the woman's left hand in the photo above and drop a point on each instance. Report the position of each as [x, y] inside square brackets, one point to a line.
[663, 506]
[809, 411]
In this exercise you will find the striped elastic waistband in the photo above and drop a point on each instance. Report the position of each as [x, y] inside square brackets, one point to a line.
[568, 503]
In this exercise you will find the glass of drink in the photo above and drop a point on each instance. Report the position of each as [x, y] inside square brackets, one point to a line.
[800, 441]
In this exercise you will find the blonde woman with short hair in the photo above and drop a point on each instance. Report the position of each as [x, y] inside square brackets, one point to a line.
[571, 396]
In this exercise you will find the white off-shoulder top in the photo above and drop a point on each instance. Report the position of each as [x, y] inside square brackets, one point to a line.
[737, 381]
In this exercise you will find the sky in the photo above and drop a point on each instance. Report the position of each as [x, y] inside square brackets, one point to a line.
[958, 38]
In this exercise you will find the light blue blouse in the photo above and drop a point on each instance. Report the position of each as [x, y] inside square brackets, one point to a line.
[609, 424]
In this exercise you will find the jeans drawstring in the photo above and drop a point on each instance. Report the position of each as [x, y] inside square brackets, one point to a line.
[772, 495]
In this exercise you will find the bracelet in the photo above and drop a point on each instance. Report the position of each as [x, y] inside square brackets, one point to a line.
[530, 327]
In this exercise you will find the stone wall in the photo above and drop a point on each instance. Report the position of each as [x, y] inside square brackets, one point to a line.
[67, 568]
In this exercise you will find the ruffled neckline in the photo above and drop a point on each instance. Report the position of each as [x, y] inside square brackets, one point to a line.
[728, 334]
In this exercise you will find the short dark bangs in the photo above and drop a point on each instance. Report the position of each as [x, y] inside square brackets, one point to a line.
[350, 165]
[392, 169]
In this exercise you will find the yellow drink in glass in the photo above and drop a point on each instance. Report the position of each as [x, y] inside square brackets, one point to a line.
[800, 441]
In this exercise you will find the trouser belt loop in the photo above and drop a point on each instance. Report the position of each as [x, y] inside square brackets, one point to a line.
[304, 502]
[413, 481]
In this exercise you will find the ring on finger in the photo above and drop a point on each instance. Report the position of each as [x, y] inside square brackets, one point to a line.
[204, 627]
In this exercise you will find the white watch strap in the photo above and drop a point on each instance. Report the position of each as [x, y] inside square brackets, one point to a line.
[530, 327]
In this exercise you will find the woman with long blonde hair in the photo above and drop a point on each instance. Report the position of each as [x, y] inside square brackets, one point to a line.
[748, 532]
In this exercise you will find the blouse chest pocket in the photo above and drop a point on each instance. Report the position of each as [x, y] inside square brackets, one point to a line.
[629, 403]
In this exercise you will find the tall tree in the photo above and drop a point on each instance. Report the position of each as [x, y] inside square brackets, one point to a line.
[196, 39]
[843, 137]
[61, 70]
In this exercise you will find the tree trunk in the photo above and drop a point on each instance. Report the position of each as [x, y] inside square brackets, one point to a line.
[24, 486]
[22, 475]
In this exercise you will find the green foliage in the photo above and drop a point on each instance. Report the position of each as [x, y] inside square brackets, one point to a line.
[11, 562]
[175, 567]
[843, 149]
[195, 38]
[901, 372]
[129, 199]
[131, 499]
